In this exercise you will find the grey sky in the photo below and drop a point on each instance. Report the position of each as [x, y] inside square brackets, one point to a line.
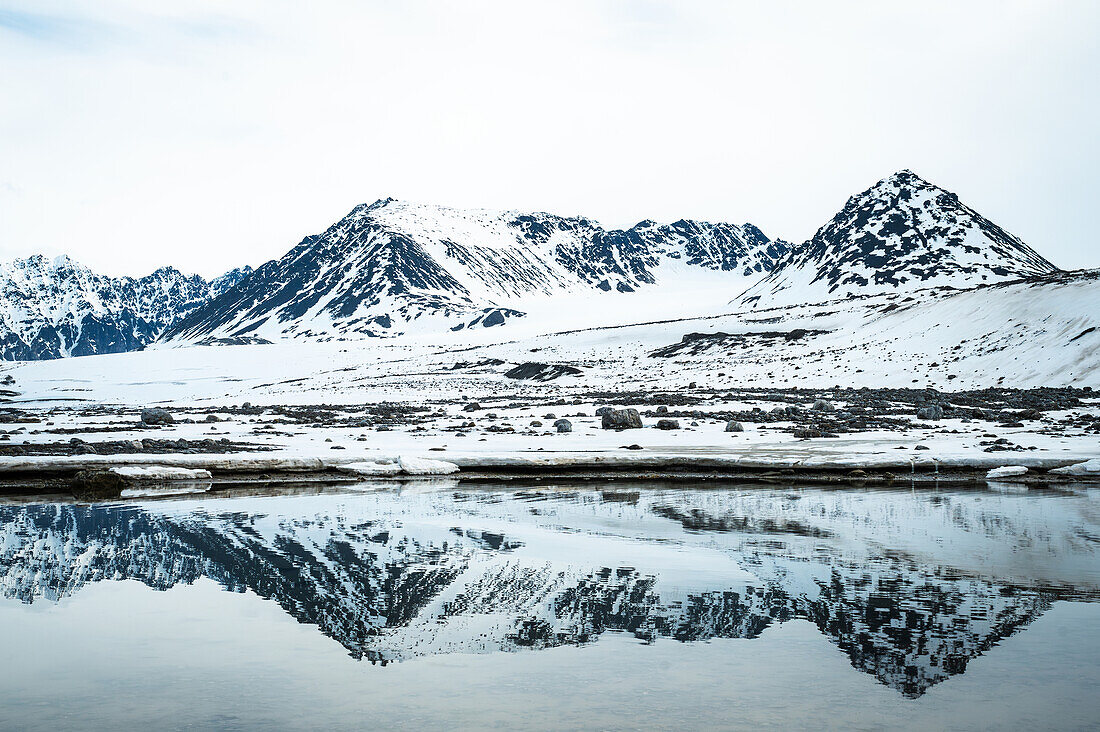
[209, 134]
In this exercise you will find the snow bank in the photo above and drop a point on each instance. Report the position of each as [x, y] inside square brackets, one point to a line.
[1007, 471]
[1089, 467]
[370, 468]
[423, 466]
[160, 472]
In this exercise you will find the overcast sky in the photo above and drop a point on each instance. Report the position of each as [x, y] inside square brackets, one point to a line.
[210, 134]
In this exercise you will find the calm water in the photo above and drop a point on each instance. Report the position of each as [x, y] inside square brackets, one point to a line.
[633, 607]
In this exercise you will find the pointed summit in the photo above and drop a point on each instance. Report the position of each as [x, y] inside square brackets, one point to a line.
[903, 233]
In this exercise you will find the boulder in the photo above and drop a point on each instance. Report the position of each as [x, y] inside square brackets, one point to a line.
[734, 426]
[96, 484]
[156, 416]
[930, 412]
[668, 424]
[563, 425]
[622, 419]
[604, 410]
[823, 406]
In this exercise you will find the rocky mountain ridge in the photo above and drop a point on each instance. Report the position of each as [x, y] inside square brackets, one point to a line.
[393, 267]
[53, 308]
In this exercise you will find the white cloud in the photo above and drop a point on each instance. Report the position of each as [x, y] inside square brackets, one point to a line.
[210, 134]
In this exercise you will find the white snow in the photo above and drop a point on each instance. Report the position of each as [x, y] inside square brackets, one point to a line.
[1007, 471]
[368, 467]
[424, 466]
[1088, 467]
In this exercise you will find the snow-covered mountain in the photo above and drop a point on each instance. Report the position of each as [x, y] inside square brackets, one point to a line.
[392, 267]
[51, 308]
[395, 268]
[903, 233]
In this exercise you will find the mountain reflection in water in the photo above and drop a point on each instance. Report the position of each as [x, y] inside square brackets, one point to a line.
[910, 586]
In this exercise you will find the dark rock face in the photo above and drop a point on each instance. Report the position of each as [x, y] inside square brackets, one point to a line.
[389, 264]
[563, 425]
[622, 419]
[823, 406]
[71, 311]
[734, 426]
[668, 424]
[532, 371]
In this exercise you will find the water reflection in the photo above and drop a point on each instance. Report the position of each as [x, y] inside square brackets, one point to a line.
[910, 586]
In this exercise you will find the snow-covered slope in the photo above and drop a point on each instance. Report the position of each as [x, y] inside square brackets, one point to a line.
[901, 234]
[391, 268]
[51, 308]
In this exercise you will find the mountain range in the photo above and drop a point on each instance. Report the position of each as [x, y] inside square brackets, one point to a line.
[52, 308]
[392, 268]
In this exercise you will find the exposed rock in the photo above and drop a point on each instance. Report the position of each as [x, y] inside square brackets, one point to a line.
[823, 406]
[97, 484]
[156, 416]
[931, 412]
[563, 425]
[734, 426]
[622, 419]
[668, 424]
[533, 371]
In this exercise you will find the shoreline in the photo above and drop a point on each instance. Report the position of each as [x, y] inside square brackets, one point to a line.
[22, 476]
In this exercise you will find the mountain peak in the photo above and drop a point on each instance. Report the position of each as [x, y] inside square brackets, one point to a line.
[906, 177]
[902, 233]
